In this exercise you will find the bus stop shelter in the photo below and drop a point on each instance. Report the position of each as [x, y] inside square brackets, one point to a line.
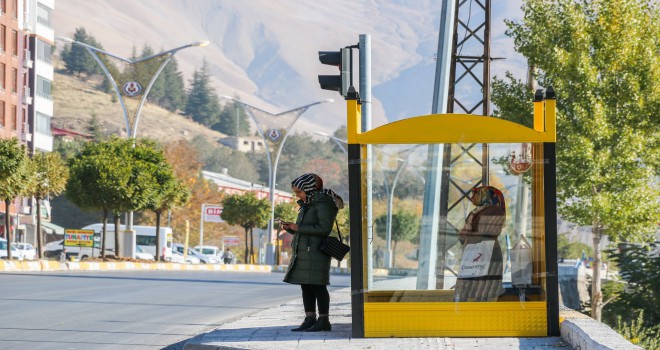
[416, 295]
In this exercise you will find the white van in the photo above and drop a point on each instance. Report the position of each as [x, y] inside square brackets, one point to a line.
[145, 238]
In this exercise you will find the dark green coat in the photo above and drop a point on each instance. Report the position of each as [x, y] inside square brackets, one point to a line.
[315, 221]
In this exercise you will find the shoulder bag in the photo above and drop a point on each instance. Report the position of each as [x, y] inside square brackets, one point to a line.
[334, 247]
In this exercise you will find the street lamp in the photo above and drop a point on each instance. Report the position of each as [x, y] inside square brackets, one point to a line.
[132, 95]
[274, 129]
[390, 201]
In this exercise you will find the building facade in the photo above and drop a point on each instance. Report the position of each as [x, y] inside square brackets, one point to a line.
[27, 39]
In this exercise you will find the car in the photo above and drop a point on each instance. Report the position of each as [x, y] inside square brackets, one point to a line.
[209, 250]
[192, 252]
[178, 258]
[27, 251]
[140, 253]
[15, 254]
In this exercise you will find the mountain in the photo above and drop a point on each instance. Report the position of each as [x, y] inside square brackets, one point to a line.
[265, 52]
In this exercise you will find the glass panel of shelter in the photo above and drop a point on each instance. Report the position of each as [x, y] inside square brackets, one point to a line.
[402, 247]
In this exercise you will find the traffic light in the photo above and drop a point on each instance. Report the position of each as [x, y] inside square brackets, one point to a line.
[343, 60]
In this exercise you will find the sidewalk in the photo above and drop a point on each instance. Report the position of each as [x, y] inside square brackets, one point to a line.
[270, 329]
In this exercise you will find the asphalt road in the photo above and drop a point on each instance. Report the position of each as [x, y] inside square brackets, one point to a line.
[130, 309]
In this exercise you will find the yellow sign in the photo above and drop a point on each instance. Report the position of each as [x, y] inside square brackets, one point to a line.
[79, 238]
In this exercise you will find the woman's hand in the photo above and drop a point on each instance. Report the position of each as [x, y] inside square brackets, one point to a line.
[289, 226]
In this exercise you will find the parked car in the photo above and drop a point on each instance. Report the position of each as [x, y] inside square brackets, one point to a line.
[26, 250]
[210, 250]
[140, 253]
[192, 252]
[178, 258]
[3, 250]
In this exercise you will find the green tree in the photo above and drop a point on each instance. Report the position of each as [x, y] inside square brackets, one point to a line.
[202, 103]
[14, 179]
[247, 211]
[100, 177]
[570, 250]
[286, 211]
[405, 227]
[77, 60]
[169, 90]
[609, 100]
[233, 120]
[50, 175]
[168, 191]
[638, 266]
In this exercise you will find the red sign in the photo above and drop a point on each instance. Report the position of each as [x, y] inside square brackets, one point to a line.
[212, 212]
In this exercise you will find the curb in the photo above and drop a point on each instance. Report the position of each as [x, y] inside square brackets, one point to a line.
[582, 332]
[46, 265]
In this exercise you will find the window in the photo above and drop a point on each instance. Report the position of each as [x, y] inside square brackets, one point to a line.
[14, 44]
[43, 15]
[14, 117]
[14, 80]
[42, 124]
[2, 113]
[44, 88]
[14, 9]
[2, 76]
[3, 6]
[44, 51]
[3, 40]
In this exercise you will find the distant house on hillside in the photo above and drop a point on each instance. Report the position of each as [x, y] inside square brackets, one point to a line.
[69, 135]
[231, 185]
[245, 144]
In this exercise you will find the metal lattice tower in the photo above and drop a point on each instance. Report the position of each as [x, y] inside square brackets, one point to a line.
[466, 165]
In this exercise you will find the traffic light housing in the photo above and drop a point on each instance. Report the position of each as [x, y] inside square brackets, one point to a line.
[343, 60]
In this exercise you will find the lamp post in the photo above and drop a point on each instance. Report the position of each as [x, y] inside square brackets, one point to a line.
[274, 129]
[132, 95]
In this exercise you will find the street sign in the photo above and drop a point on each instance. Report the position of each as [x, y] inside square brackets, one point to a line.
[230, 241]
[211, 213]
[78, 238]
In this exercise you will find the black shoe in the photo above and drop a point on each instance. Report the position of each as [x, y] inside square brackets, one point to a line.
[321, 325]
[307, 323]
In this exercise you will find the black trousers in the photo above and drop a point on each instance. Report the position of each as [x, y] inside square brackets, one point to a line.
[313, 294]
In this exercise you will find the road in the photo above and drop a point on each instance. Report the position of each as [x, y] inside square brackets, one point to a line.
[130, 309]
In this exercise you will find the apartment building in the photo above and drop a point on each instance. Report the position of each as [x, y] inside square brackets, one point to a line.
[27, 39]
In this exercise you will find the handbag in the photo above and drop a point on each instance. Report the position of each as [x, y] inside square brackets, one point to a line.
[475, 260]
[334, 247]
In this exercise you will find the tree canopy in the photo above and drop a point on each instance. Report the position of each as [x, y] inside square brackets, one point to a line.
[14, 178]
[248, 212]
[608, 105]
[50, 175]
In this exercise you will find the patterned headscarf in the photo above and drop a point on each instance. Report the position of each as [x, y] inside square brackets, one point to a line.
[309, 183]
[484, 196]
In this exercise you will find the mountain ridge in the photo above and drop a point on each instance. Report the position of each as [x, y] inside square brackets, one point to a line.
[265, 52]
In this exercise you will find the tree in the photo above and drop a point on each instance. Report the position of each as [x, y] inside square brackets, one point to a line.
[638, 292]
[607, 126]
[286, 212]
[14, 179]
[233, 120]
[77, 59]
[202, 104]
[247, 211]
[169, 90]
[100, 178]
[50, 175]
[405, 226]
[168, 192]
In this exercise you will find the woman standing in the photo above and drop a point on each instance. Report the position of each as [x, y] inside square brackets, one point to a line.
[483, 224]
[309, 267]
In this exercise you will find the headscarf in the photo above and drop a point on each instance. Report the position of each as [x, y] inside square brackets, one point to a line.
[309, 183]
[485, 196]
